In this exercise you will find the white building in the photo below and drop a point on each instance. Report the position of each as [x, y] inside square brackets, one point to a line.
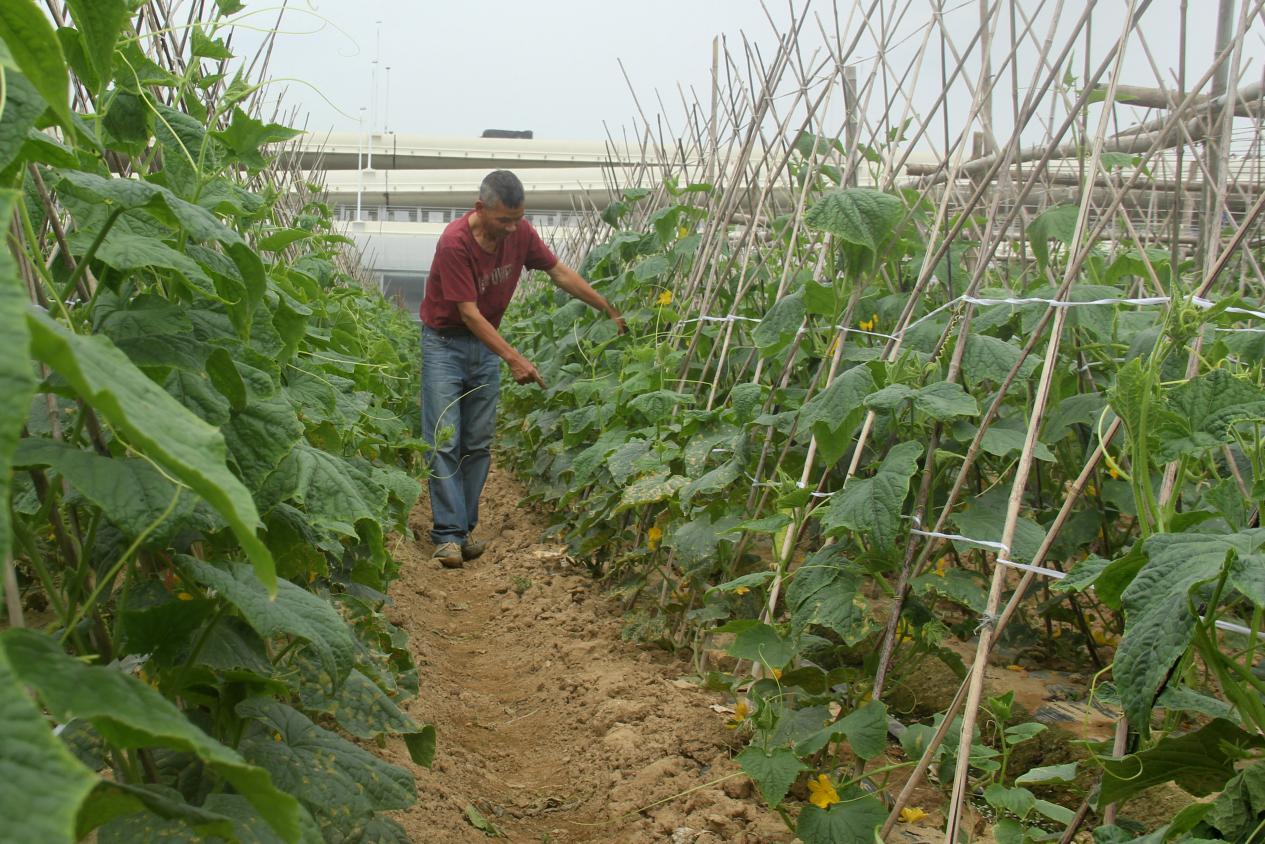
[396, 192]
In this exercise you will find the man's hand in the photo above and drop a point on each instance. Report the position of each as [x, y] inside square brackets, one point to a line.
[619, 320]
[524, 373]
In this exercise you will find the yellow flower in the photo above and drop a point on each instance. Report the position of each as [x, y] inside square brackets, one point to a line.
[1101, 638]
[665, 298]
[777, 673]
[911, 814]
[1113, 471]
[741, 711]
[865, 326]
[741, 590]
[653, 536]
[821, 792]
[184, 596]
[942, 566]
[682, 231]
[873, 320]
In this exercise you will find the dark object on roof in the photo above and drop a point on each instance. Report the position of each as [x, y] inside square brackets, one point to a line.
[525, 134]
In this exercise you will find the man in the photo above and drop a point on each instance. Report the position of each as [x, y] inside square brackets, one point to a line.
[477, 265]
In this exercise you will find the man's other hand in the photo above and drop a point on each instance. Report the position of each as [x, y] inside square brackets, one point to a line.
[619, 321]
[525, 373]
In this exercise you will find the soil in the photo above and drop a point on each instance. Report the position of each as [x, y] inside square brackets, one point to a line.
[550, 726]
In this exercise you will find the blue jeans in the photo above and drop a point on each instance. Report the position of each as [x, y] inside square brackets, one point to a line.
[461, 378]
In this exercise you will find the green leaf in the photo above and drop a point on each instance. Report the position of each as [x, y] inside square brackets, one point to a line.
[989, 359]
[292, 612]
[1018, 801]
[336, 780]
[826, 593]
[780, 324]
[22, 107]
[757, 642]
[651, 489]
[1056, 223]
[130, 492]
[1159, 623]
[871, 507]
[17, 378]
[696, 541]
[854, 821]
[833, 414]
[245, 135]
[1200, 762]
[481, 823]
[1201, 413]
[961, 587]
[773, 772]
[27, 33]
[129, 713]
[335, 493]
[155, 424]
[865, 729]
[945, 400]
[280, 239]
[861, 216]
[261, 434]
[658, 405]
[100, 21]
[206, 47]
[127, 117]
[41, 783]
[1048, 773]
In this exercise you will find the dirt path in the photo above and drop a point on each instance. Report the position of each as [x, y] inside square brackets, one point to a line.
[549, 724]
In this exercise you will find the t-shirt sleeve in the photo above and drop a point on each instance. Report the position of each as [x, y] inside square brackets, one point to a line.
[455, 274]
[539, 255]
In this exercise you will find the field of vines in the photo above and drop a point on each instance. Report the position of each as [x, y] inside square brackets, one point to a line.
[206, 439]
[879, 418]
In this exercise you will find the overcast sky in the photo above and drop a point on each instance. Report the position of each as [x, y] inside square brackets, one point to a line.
[552, 66]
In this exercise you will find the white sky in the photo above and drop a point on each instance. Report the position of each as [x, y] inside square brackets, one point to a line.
[552, 66]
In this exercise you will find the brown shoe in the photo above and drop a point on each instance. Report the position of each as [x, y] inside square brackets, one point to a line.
[473, 549]
[449, 555]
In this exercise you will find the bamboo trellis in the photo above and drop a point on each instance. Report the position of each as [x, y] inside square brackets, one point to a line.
[1008, 133]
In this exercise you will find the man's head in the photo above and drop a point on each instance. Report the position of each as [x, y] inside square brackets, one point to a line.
[500, 204]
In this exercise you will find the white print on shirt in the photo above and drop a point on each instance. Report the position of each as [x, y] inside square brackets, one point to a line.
[497, 276]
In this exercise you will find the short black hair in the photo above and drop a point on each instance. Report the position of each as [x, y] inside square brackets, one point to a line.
[501, 187]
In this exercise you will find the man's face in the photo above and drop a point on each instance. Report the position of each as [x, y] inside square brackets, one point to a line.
[498, 221]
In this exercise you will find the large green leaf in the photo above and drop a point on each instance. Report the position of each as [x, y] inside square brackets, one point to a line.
[653, 488]
[833, 414]
[865, 728]
[871, 507]
[1200, 762]
[829, 593]
[129, 491]
[758, 642]
[780, 324]
[100, 22]
[335, 493]
[17, 379]
[335, 779]
[861, 216]
[854, 821]
[41, 783]
[939, 400]
[989, 359]
[363, 709]
[293, 612]
[1056, 223]
[1200, 413]
[1159, 623]
[129, 713]
[245, 135]
[774, 772]
[22, 106]
[26, 31]
[125, 252]
[155, 424]
[261, 434]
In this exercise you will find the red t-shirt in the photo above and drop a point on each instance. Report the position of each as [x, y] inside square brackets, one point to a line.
[463, 271]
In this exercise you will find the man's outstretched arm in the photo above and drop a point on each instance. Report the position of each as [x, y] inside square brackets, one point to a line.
[570, 281]
[520, 367]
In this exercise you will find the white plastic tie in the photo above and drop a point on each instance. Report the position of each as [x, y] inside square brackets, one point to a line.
[957, 537]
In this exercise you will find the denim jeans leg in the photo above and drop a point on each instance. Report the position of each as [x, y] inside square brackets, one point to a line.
[443, 380]
[478, 424]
